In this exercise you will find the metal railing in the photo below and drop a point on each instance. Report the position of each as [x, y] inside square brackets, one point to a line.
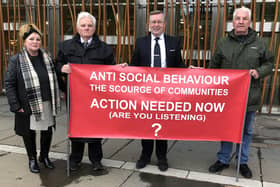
[196, 18]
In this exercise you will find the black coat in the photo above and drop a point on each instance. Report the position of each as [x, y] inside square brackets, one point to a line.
[142, 52]
[17, 96]
[72, 51]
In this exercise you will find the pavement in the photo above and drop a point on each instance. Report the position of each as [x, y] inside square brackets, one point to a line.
[188, 160]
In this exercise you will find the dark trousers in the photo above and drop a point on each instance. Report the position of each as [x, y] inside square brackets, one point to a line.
[95, 153]
[29, 140]
[148, 146]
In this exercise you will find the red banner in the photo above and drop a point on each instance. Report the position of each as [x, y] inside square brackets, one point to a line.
[157, 103]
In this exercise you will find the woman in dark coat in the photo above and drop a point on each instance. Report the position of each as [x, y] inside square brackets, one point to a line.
[33, 95]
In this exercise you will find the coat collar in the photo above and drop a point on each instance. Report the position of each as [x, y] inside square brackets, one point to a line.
[246, 39]
[94, 42]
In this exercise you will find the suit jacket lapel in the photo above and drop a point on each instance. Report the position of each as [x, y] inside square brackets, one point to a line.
[166, 41]
[147, 48]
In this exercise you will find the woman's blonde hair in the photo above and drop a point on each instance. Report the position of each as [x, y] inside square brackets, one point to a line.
[27, 29]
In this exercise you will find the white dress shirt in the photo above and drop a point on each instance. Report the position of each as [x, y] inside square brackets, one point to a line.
[82, 41]
[162, 50]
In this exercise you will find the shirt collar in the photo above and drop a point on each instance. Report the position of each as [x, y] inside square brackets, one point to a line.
[160, 37]
[89, 41]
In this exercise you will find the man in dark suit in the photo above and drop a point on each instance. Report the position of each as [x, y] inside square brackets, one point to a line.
[84, 48]
[156, 50]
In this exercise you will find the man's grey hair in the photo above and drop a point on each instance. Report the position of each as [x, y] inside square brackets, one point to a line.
[86, 14]
[243, 8]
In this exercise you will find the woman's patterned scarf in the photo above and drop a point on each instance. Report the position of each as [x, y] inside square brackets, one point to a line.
[32, 84]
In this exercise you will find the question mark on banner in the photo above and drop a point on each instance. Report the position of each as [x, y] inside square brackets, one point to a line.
[157, 129]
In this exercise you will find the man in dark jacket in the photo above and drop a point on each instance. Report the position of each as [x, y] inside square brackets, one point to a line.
[84, 48]
[156, 50]
[242, 49]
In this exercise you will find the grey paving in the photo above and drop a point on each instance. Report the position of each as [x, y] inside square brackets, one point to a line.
[143, 179]
[193, 155]
[270, 164]
[186, 159]
[253, 163]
